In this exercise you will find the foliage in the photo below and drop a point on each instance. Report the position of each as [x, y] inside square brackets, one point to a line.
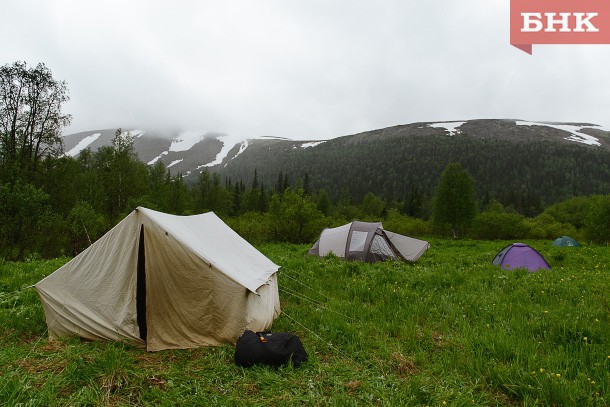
[121, 175]
[23, 209]
[30, 118]
[545, 226]
[406, 225]
[323, 204]
[294, 217]
[498, 225]
[252, 226]
[573, 211]
[373, 206]
[208, 194]
[450, 329]
[454, 204]
[598, 219]
[84, 225]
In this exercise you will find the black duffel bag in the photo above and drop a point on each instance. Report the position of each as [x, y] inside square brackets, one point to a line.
[269, 348]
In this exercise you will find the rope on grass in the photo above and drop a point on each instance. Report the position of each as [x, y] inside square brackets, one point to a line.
[284, 274]
[328, 343]
[314, 302]
[310, 299]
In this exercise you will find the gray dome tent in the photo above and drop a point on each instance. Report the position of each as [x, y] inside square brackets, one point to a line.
[368, 242]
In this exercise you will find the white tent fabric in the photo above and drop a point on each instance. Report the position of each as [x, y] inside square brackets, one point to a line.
[409, 248]
[204, 285]
[212, 240]
[333, 240]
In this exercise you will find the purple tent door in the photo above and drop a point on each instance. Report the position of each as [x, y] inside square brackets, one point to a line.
[520, 255]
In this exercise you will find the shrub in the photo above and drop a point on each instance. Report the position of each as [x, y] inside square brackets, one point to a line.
[294, 218]
[544, 226]
[494, 225]
[23, 207]
[598, 219]
[252, 226]
[406, 225]
[573, 211]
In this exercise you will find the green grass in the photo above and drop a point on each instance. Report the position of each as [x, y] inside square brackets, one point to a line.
[450, 329]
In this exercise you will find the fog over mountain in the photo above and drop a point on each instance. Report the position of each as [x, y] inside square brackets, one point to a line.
[307, 70]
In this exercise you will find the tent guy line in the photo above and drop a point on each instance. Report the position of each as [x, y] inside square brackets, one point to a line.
[314, 302]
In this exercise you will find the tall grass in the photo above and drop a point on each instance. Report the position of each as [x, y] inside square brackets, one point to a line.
[450, 328]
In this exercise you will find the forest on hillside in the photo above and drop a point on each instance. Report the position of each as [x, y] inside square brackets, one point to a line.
[527, 176]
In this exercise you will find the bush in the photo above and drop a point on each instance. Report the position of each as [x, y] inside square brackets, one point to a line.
[252, 226]
[294, 218]
[598, 220]
[406, 225]
[544, 226]
[495, 225]
[23, 207]
[573, 211]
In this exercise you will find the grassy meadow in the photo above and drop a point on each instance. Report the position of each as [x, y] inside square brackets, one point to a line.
[450, 329]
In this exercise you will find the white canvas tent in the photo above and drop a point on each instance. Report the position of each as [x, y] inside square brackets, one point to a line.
[164, 282]
[368, 242]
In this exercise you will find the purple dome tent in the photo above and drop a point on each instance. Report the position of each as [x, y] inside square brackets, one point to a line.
[520, 255]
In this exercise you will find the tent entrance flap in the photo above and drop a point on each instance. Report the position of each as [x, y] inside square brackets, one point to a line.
[141, 287]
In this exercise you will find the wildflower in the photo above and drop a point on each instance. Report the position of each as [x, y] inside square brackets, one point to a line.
[541, 370]
[584, 339]
[444, 403]
[558, 375]
[592, 381]
[546, 312]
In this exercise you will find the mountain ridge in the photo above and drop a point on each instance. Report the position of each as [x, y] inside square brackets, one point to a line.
[214, 150]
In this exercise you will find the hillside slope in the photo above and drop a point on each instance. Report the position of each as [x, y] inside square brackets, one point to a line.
[525, 164]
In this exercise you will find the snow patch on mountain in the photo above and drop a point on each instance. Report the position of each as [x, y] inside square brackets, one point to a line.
[84, 143]
[576, 135]
[186, 140]
[244, 144]
[228, 142]
[154, 160]
[312, 144]
[451, 127]
[174, 162]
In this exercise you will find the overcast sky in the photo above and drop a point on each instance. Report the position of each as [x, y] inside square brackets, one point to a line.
[304, 69]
